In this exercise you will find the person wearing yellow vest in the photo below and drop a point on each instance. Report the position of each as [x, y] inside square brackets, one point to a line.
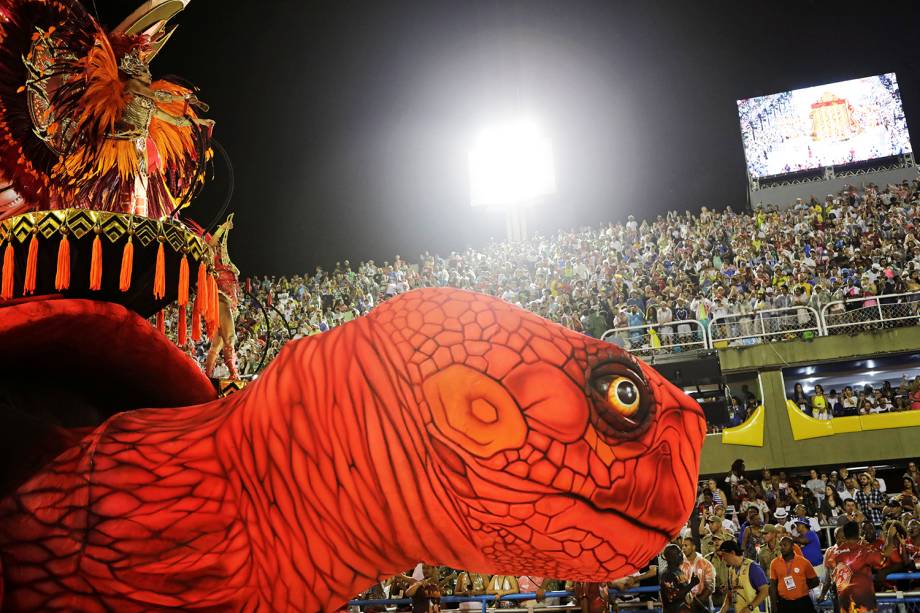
[748, 586]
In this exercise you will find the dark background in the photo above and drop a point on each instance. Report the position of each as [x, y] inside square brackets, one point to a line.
[349, 123]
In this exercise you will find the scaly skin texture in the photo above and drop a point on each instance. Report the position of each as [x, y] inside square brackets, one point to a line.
[445, 426]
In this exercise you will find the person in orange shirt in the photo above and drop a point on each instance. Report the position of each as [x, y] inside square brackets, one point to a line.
[791, 577]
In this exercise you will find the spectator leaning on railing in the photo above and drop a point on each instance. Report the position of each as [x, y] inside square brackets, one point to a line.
[695, 565]
[808, 540]
[674, 584]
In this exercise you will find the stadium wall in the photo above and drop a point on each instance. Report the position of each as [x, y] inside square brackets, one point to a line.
[782, 195]
[779, 447]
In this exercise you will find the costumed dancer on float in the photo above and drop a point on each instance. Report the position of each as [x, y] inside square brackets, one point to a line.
[134, 124]
[223, 341]
[82, 122]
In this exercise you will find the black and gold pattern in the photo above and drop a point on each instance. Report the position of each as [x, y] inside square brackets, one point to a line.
[81, 223]
[81, 226]
[20, 227]
[114, 226]
[146, 230]
[225, 387]
[50, 223]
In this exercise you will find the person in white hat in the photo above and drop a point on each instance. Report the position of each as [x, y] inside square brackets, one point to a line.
[782, 519]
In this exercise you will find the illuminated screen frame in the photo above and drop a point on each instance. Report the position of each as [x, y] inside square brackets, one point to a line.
[817, 127]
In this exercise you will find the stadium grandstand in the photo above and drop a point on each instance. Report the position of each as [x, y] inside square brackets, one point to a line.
[796, 325]
[726, 418]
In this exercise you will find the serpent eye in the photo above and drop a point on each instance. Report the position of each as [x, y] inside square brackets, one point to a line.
[622, 395]
[622, 403]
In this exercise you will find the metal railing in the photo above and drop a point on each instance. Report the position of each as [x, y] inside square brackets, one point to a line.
[769, 325]
[900, 602]
[656, 339]
[871, 313]
[848, 316]
[486, 599]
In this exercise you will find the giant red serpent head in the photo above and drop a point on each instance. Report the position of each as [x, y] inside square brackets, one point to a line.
[445, 426]
[560, 454]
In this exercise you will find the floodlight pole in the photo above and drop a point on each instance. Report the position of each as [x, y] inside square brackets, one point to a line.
[516, 222]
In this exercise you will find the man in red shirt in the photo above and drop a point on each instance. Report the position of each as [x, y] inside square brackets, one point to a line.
[913, 545]
[851, 567]
[530, 583]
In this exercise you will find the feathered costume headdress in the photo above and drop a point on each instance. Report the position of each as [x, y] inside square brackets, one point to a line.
[64, 102]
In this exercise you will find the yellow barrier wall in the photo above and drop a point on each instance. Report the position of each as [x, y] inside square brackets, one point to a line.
[749, 433]
[791, 440]
[805, 427]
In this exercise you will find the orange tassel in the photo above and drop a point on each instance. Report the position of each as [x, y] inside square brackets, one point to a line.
[127, 265]
[9, 267]
[159, 277]
[62, 276]
[203, 289]
[31, 266]
[183, 328]
[207, 310]
[196, 319]
[183, 281]
[209, 305]
[214, 297]
[161, 324]
[95, 266]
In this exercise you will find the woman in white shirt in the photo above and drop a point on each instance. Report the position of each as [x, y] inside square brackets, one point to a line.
[665, 317]
[848, 401]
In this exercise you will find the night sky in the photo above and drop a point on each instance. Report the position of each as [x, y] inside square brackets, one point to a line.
[348, 124]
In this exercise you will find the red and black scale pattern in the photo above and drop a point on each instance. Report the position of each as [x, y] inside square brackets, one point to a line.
[445, 426]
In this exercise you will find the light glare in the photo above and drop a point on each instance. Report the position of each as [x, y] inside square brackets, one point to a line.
[511, 165]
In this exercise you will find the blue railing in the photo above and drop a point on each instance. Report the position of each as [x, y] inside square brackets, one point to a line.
[485, 599]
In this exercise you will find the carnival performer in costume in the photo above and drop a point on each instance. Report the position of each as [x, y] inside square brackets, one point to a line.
[228, 287]
[82, 122]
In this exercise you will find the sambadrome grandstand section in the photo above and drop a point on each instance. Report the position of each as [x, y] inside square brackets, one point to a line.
[795, 328]
[733, 307]
[691, 412]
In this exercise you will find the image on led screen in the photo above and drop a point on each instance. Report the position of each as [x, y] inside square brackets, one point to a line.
[826, 125]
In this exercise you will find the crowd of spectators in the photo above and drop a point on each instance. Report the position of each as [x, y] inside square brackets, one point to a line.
[856, 244]
[866, 400]
[676, 267]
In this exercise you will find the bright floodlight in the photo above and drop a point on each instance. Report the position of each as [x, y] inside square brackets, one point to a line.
[510, 165]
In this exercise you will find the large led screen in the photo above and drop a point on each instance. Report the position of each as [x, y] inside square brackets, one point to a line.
[827, 125]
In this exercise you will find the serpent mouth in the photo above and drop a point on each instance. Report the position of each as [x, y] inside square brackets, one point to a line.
[103, 351]
[68, 364]
[619, 544]
[565, 531]
[567, 536]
